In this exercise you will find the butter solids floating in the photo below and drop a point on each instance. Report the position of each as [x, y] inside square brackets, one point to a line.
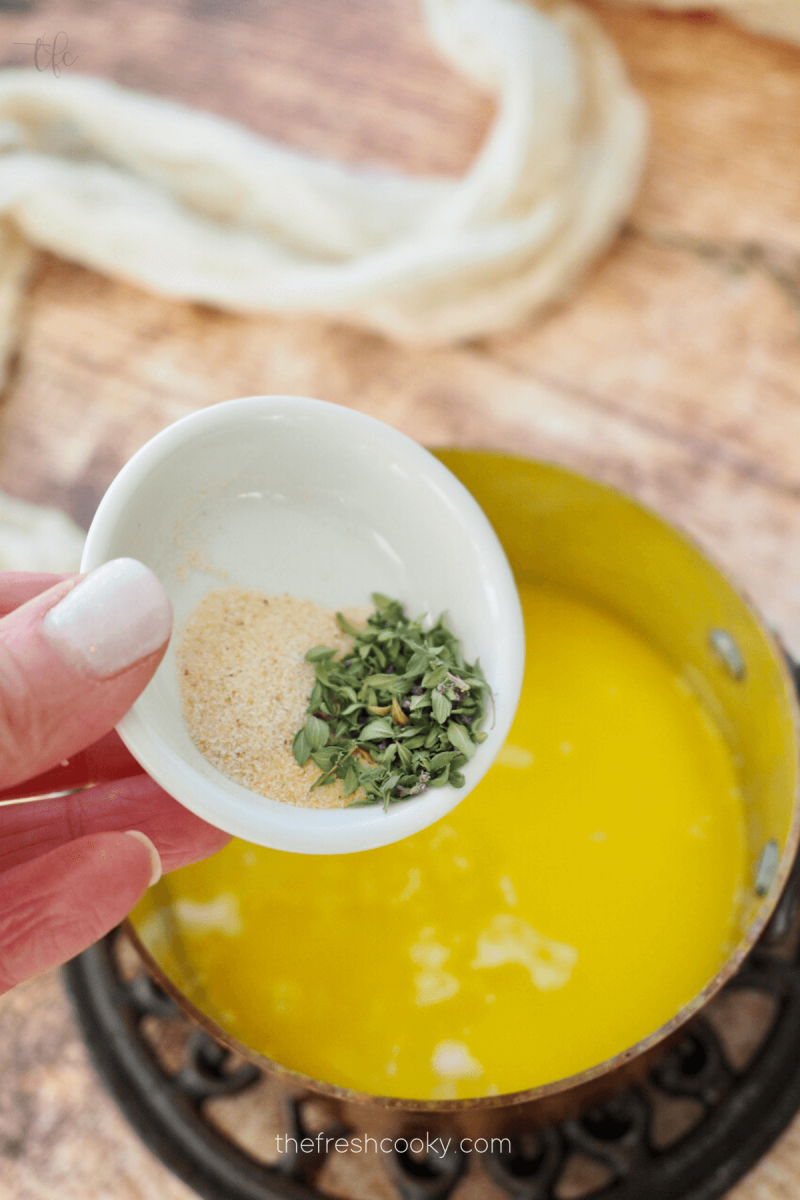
[538, 930]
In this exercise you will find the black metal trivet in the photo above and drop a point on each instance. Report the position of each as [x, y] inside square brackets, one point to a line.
[709, 1109]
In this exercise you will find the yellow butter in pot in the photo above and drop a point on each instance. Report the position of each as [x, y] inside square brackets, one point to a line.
[573, 903]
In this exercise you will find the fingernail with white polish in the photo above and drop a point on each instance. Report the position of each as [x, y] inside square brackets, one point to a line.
[155, 857]
[117, 615]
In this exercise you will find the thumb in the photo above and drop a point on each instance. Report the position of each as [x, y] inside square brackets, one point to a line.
[54, 906]
[72, 662]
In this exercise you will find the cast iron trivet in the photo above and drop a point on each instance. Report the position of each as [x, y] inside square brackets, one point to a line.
[710, 1108]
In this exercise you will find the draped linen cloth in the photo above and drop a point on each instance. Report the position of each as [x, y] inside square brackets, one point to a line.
[37, 538]
[195, 207]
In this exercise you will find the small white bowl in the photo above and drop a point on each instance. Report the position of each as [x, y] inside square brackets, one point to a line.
[290, 495]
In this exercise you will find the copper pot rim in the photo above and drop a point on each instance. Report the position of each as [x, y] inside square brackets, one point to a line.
[306, 1083]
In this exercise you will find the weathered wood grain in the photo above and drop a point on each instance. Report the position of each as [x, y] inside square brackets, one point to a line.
[61, 1136]
[103, 367]
[673, 371]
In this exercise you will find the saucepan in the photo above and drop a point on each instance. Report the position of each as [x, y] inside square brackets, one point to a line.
[571, 533]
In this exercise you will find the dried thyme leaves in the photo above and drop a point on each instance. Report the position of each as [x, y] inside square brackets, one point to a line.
[398, 713]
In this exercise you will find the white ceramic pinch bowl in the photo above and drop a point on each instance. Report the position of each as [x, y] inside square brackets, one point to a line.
[289, 495]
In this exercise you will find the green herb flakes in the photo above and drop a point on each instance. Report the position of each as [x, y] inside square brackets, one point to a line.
[399, 712]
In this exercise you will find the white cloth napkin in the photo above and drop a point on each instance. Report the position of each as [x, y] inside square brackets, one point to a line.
[36, 538]
[193, 206]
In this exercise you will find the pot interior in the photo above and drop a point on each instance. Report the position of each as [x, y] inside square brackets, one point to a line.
[564, 531]
[561, 528]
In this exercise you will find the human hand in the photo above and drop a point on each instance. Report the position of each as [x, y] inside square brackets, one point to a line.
[74, 655]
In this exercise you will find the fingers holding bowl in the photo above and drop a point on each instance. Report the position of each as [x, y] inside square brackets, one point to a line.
[72, 661]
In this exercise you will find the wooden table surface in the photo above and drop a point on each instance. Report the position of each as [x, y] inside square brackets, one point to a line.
[673, 372]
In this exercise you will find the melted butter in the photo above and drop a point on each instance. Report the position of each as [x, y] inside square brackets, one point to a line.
[572, 904]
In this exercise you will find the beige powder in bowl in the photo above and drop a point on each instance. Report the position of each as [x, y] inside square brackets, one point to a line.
[245, 685]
